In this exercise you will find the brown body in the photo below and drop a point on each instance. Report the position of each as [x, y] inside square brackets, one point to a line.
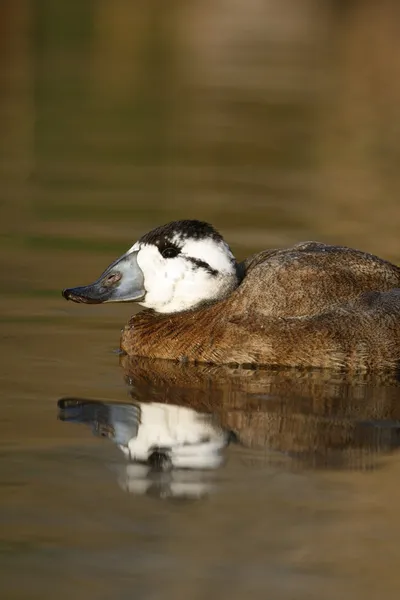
[309, 305]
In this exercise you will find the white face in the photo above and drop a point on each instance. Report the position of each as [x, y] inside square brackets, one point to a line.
[204, 269]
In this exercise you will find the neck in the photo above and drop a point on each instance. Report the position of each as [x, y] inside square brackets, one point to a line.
[189, 295]
[198, 334]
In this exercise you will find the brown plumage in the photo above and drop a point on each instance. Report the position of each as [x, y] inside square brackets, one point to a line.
[309, 305]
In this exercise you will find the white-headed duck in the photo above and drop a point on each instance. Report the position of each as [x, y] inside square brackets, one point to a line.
[308, 305]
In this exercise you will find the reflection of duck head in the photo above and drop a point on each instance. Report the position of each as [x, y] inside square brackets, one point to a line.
[159, 435]
[171, 449]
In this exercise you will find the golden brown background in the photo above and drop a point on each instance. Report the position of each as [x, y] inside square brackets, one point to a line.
[276, 120]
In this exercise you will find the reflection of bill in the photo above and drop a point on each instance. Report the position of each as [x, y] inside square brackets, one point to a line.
[168, 446]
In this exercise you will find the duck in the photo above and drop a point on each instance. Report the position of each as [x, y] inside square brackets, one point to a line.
[309, 305]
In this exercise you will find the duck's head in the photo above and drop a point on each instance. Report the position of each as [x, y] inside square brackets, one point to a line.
[173, 268]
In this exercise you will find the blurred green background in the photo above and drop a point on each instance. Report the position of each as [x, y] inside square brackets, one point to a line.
[277, 121]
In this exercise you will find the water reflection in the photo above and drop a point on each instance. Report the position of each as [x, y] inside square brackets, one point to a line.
[182, 417]
[156, 439]
[317, 418]
[183, 484]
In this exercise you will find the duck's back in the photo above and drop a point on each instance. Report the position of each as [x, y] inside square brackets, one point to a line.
[310, 278]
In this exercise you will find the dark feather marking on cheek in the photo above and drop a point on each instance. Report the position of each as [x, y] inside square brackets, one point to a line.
[202, 265]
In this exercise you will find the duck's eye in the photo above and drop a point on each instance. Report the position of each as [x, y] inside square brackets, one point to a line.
[170, 252]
